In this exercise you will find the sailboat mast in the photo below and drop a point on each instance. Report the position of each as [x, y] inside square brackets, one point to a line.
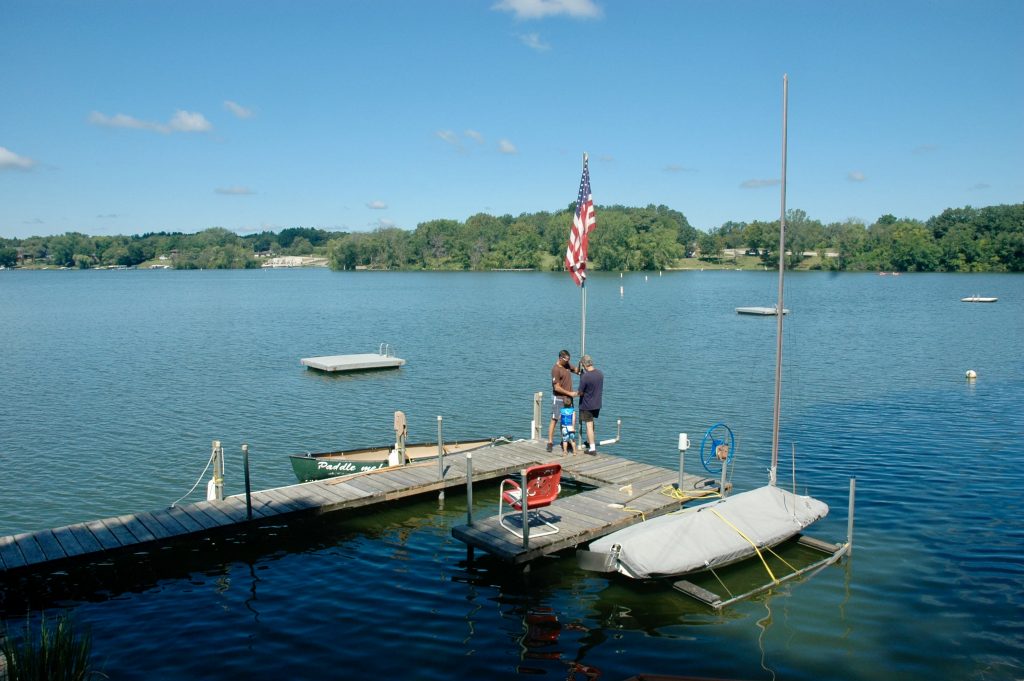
[780, 306]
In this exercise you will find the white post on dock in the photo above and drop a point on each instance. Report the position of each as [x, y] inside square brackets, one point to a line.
[524, 502]
[535, 424]
[401, 430]
[215, 488]
[440, 459]
[684, 444]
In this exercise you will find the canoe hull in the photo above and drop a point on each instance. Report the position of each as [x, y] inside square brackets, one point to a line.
[323, 465]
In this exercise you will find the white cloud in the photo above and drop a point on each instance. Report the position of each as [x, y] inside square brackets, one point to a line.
[506, 147]
[383, 224]
[11, 161]
[539, 9]
[475, 136]
[676, 168]
[925, 148]
[533, 41]
[981, 186]
[189, 121]
[237, 109]
[234, 191]
[758, 184]
[182, 121]
[376, 205]
[122, 121]
[449, 137]
[856, 176]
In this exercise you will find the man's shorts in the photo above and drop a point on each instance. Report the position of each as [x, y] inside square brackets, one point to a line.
[589, 414]
[556, 406]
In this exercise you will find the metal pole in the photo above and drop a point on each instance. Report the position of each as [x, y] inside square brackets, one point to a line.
[469, 489]
[248, 489]
[780, 306]
[440, 458]
[849, 520]
[523, 499]
[583, 286]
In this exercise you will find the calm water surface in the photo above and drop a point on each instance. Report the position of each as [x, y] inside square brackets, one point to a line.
[114, 383]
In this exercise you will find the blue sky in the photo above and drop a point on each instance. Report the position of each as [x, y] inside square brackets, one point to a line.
[149, 115]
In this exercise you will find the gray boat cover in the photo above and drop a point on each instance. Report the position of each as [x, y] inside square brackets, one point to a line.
[709, 535]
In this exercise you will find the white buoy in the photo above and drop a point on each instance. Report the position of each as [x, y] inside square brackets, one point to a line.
[621, 292]
[971, 374]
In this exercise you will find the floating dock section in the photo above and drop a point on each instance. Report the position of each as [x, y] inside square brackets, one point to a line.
[339, 363]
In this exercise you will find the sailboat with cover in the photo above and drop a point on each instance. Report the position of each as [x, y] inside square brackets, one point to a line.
[730, 529]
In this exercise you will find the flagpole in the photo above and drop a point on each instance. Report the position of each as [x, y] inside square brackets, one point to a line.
[583, 296]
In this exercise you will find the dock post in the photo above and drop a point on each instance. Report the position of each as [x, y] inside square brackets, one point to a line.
[524, 501]
[849, 520]
[535, 428]
[248, 488]
[684, 444]
[215, 488]
[440, 459]
[725, 467]
[469, 488]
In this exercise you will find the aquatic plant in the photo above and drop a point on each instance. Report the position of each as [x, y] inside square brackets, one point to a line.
[58, 653]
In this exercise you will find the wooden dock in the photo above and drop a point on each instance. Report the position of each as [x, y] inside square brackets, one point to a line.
[582, 516]
[362, 362]
[623, 493]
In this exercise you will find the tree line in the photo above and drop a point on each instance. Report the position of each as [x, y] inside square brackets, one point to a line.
[989, 239]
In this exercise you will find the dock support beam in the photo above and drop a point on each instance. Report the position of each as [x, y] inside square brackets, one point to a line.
[248, 488]
[440, 459]
[535, 428]
[215, 488]
[849, 519]
[684, 444]
[525, 503]
[469, 489]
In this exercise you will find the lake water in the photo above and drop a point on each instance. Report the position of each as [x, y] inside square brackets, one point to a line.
[114, 383]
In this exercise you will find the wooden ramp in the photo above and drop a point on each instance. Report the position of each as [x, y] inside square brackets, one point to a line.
[625, 492]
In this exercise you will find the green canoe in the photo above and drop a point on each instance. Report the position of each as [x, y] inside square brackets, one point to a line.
[351, 462]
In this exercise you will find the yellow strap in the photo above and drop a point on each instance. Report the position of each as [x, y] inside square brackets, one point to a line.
[740, 533]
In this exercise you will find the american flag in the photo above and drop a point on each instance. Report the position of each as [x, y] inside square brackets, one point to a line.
[582, 225]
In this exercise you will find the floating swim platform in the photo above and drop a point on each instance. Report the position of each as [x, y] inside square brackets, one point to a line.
[359, 362]
[763, 311]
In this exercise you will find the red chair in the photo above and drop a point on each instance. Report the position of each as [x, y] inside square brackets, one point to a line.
[543, 483]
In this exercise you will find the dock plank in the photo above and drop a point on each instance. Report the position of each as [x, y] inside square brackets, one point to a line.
[30, 549]
[49, 544]
[103, 535]
[10, 555]
[88, 542]
[68, 542]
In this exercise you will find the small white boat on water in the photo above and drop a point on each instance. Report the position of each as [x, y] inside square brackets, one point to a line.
[978, 299]
[763, 311]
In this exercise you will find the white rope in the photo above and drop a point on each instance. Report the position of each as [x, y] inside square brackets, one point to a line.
[201, 476]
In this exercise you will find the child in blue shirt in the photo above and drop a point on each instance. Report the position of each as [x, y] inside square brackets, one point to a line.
[567, 421]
